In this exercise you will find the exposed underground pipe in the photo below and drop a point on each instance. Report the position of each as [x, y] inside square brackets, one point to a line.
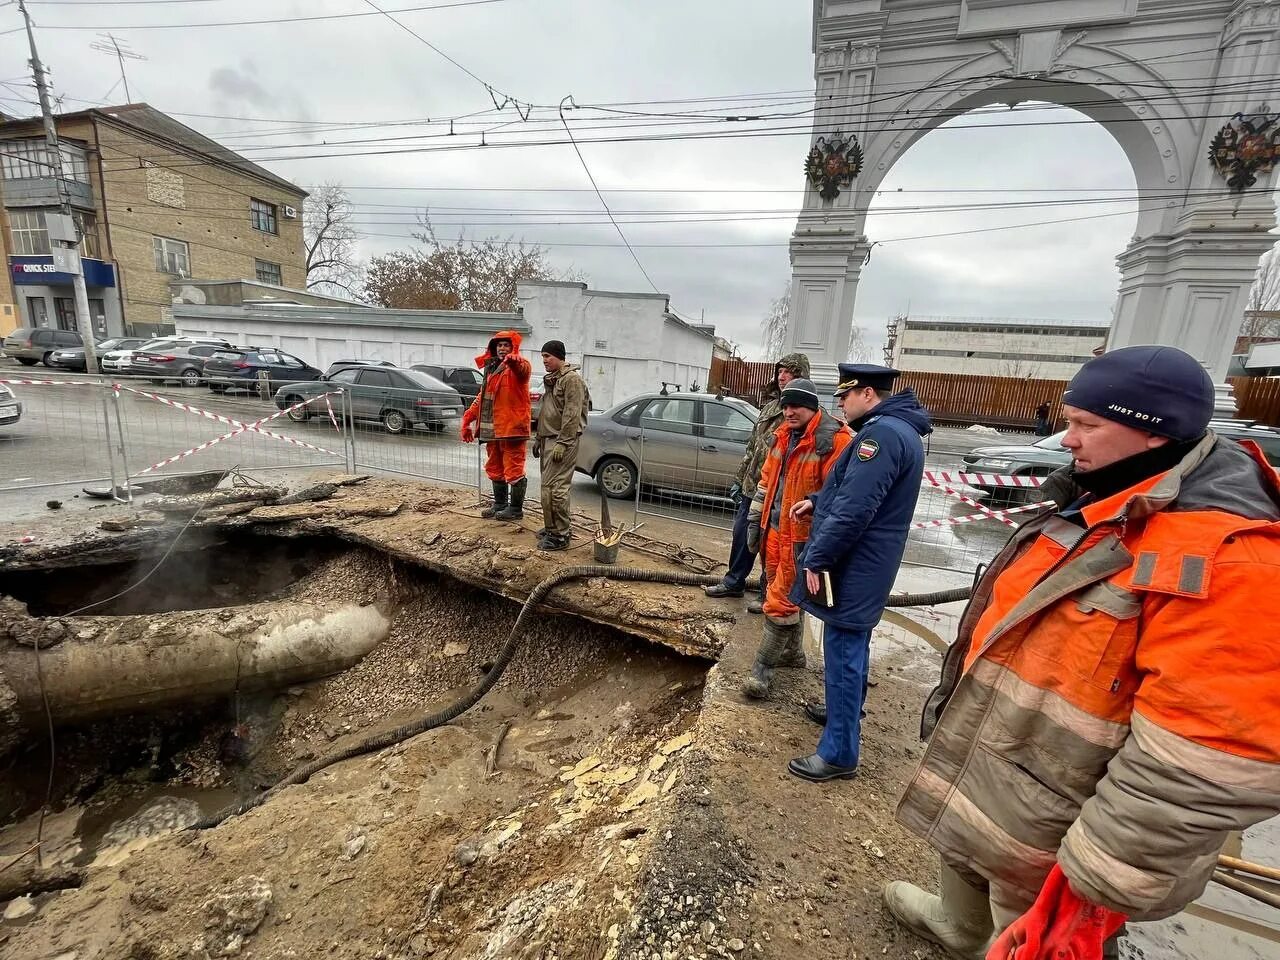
[380, 741]
[103, 666]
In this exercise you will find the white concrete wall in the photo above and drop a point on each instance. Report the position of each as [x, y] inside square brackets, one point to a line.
[625, 343]
[1029, 352]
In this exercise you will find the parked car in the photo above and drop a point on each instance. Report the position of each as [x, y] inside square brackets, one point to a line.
[692, 443]
[241, 368]
[10, 406]
[181, 360]
[32, 345]
[536, 389]
[466, 380]
[119, 359]
[339, 365]
[1041, 458]
[398, 399]
[72, 358]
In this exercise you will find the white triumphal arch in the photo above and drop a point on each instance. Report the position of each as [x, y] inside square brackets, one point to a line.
[1164, 77]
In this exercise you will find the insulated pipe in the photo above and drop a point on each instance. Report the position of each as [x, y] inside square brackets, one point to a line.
[107, 666]
[380, 741]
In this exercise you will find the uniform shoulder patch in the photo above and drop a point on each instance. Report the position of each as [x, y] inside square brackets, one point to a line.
[867, 449]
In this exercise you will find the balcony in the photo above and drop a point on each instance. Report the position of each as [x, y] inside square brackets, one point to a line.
[43, 192]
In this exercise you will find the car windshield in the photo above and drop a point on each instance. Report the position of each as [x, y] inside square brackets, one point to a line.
[424, 380]
[1051, 443]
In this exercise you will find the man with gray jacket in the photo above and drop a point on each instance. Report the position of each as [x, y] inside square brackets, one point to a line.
[563, 417]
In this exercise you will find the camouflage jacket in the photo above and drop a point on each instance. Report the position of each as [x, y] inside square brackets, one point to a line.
[748, 475]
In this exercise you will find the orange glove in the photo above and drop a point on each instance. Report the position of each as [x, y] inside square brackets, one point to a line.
[468, 433]
[1059, 926]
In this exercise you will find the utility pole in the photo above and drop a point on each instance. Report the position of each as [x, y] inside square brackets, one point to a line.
[64, 239]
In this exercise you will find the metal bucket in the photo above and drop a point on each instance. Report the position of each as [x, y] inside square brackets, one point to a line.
[605, 553]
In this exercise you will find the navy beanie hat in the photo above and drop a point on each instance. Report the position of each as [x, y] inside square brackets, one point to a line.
[799, 393]
[1160, 390]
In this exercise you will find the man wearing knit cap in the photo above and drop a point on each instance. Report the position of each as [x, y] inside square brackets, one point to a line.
[804, 449]
[565, 402]
[1107, 714]
[860, 518]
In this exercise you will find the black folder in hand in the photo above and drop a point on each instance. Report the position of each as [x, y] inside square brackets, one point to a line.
[824, 596]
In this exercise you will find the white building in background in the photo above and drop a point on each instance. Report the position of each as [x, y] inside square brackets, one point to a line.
[996, 347]
[625, 343]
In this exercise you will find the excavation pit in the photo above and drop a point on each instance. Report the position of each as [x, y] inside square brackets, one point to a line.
[587, 725]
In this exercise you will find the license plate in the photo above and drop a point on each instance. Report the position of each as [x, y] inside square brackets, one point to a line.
[8, 411]
[449, 412]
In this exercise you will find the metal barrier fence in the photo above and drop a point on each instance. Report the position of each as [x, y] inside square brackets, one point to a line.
[74, 431]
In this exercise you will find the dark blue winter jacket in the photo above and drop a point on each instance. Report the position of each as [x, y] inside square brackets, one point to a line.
[863, 513]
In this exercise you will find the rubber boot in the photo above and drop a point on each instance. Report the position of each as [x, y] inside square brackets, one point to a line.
[514, 510]
[793, 655]
[959, 920]
[500, 489]
[757, 605]
[773, 646]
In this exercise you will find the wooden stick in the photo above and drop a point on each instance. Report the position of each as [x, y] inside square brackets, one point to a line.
[1244, 866]
[491, 755]
[1247, 889]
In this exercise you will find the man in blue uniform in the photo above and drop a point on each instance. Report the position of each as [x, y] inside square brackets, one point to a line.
[860, 522]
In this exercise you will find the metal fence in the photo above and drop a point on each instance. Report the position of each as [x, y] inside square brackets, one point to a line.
[72, 432]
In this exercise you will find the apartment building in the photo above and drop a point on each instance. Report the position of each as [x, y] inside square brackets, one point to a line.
[154, 201]
[997, 347]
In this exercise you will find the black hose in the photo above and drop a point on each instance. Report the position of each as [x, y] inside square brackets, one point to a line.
[380, 741]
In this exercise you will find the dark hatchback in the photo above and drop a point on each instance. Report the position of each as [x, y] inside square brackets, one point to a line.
[398, 399]
[244, 368]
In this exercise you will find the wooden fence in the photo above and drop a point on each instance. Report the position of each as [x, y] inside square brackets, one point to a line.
[1008, 402]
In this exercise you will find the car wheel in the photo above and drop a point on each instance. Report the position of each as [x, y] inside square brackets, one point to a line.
[27, 361]
[394, 421]
[302, 414]
[45, 358]
[191, 377]
[617, 477]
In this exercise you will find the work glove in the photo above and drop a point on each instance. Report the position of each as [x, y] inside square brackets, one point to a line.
[557, 453]
[735, 493]
[468, 433]
[753, 535]
[1059, 926]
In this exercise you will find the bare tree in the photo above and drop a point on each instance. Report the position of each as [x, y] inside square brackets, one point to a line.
[330, 243]
[1265, 292]
[463, 275]
[858, 351]
[1019, 368]
[773, 328]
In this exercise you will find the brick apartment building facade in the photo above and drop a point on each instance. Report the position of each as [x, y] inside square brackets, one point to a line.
[155, 202]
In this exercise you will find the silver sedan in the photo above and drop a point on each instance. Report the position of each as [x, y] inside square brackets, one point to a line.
[689, 443]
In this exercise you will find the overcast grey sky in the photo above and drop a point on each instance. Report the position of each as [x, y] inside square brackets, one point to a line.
[367, 70]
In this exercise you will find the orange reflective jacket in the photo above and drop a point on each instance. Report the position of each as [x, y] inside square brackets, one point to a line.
[1110, 702]
[502, 407]
[802, 473]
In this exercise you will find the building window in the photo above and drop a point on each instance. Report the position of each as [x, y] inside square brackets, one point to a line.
[31, 160]
[263, 216]
[171, 256]
[87, 224]
[38, 311]
[30, 238]
[268, 272]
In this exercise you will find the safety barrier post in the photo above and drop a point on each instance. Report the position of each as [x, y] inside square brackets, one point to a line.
[348, 429]
[106, 440]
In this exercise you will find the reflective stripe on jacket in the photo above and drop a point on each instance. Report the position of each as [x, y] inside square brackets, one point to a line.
[821, 444]
[503, 406]
[1111, 700]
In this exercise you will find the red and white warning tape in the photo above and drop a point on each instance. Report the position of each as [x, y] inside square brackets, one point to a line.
[329, 406]
[231, 421]
[243, 428]
[986, 511]
[51, 383]
[981, 479]
[974, 517]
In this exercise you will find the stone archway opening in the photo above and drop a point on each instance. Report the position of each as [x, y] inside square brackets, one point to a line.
[999, 213]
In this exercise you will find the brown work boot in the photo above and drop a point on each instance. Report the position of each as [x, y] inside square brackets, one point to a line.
[959, 920]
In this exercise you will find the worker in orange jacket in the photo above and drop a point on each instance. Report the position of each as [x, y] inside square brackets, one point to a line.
[503, 411]
[1107, 713]
[805, 448]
